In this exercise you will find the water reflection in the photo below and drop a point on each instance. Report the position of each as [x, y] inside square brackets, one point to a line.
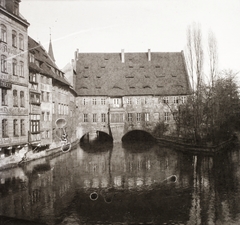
[136, 184]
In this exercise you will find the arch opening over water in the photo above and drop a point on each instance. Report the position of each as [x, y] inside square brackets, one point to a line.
[95, 137]
[137, 135]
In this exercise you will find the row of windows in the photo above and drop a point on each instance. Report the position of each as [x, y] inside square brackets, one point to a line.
[62, 109]
[43, 79]
[17, 130]
[45, 134]
[45, 96]
[5, 98]
[17, 67]
[45, 116]
[17, 40]
[119, 117]
[35, 126]
[129, 101]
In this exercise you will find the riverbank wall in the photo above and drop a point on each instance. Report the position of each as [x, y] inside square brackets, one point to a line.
[16, 159]
[192, 148]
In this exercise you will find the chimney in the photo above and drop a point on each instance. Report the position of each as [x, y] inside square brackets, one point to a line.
[76, 54]
[149, 55]
[122, 56]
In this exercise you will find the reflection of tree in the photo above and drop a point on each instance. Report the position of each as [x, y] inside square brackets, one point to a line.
[195, 217]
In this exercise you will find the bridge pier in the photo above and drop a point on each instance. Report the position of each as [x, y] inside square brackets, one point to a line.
[117, 132]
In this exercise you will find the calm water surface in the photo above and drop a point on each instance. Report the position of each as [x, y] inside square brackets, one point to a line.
[131, 184]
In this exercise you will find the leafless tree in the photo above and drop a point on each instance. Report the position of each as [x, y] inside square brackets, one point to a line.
[213, 57]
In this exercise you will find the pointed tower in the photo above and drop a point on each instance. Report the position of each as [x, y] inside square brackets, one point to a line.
[50, 50]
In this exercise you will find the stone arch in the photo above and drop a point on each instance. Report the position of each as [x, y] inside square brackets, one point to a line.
[95, 136]
[136, 135]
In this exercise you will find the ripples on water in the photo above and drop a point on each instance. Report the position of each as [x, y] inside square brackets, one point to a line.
[124, 184]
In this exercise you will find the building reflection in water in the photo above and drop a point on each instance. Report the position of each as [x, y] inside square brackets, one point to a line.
[155, 185]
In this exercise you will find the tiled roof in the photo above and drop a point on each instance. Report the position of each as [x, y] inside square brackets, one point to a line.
[105, 74]
[47, 63]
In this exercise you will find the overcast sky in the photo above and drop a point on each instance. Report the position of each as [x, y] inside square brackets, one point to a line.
[135, 26]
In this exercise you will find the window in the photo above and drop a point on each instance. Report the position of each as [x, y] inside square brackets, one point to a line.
[35, 98]
[129, 101]
[138, 101]
[3, 63]
[22, 100]
[31, 57]
[21, 42]
[183, 98]
[85, 117]
[16, 8]
[22, 127]
[146, 116]
[3, 33]
[165, 100]
[175, 99]
[35, 123]
[48, 116]
[15, 127]
[130, 117]
[84, 101]
[116, 117]
[21, 69]
[138, 117]
[47, 134]
[94, 101]
[167, 116]
[4, 97]
[59, 108]
[103, 101]
[14, 67]
[42, 96]
[53, 108]
[15, 98]
[48, 97]
[103, 117]
[32, 77]
[116, 101]
[14, 38]
[43, 116]
[4, 128]
[94, 118]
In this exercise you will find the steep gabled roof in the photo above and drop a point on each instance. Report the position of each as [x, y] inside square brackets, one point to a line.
[47, 65]
[105, 74]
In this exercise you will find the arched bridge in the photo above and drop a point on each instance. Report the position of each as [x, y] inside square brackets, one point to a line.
[115, 130]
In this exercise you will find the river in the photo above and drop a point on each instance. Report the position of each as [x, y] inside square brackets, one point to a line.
[141, 183]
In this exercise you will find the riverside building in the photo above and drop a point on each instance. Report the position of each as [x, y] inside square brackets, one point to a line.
[13, 79]
[121, 92]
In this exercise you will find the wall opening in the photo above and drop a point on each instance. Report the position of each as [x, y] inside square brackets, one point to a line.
[138, 141]
[137, 135]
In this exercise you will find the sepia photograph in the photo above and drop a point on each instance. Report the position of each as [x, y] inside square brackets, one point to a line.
[120, 112]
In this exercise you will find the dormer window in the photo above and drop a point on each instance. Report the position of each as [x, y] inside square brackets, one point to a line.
[16, 9]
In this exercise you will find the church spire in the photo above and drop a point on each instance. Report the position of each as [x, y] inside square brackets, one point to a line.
[50, 49]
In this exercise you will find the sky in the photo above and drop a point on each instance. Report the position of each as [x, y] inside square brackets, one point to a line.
[133, 25]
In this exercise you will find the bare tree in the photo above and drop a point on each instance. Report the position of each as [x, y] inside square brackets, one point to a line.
[195, 56]
[213, 57]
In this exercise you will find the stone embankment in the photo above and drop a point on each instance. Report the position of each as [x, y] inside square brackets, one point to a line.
[193, 148]
[24, 156]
